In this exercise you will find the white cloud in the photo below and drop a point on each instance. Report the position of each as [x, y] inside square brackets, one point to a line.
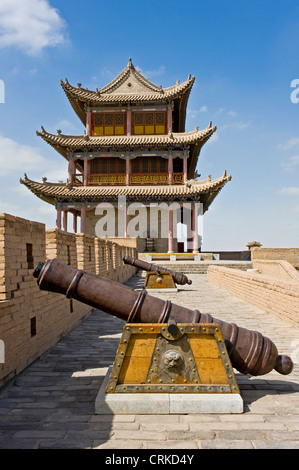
[203, 109]
[219, 111]
[155, 73]
[291, 163]
[15, 156]
[152, 73]
[8, 207]
[30, 25]
[213, 138]
[192, 113]
[291, 143]
[289, 191]
[231, 113]
[240, 125]
[66, 127]
[20, 159]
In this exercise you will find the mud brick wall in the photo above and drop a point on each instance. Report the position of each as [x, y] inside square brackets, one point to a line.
[276, 268]
[276, 295]
[31, 320]
[62, 245]
[287, 254]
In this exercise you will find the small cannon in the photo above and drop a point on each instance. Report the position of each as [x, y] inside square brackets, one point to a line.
[249, 351]
[178, 278]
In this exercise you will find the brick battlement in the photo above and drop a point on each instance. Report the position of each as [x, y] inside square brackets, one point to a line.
[31, 321]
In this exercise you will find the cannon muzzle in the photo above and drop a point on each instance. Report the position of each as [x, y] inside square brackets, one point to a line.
[250, 352]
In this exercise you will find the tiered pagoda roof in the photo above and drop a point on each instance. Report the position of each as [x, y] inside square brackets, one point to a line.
[130, 86]
[195, 140]
[50, 192]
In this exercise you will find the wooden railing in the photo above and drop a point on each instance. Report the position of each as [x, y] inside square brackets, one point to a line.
[102, 179]
[149, 178]
[177, 178]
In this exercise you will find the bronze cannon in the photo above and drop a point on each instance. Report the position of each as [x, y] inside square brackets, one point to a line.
[250, 352]
[178, 278]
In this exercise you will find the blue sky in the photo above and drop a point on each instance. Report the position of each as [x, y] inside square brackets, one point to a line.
[244, 55]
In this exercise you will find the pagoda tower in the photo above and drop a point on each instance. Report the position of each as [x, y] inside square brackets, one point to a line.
[135, 150]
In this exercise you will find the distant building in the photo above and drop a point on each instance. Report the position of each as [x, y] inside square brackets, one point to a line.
[254, 244]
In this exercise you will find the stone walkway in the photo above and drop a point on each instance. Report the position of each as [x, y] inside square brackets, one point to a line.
[51, 404]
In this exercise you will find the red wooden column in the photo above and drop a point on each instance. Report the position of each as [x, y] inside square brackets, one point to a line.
[170, 168]
[88, 122]
[65, 220]
[128, 170]
[185, 168]
[72, 169]
[195, 228]
[129, 121]
[170, 231]
[169, 119]
[83, 219]
[58, 219]
[85, 170]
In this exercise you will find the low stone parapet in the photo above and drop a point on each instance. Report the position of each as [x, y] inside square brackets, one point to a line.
[273, 294]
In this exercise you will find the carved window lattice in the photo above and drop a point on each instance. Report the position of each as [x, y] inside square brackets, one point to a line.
[138, 118]
[109, 124]
[98, 119]
[119, 119]
[160, 118]
[109, 119]
[149, 118]
[149, 123]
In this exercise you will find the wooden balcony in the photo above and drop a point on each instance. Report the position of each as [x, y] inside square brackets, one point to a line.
[101, 179]
[104, 179]
[148, 178]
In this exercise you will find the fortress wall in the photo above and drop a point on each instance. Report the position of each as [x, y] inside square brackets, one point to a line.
[31, 320]
[286, 254]
[277, 295]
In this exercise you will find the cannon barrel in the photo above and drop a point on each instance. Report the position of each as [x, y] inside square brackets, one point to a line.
[250, 352]
[179, 278]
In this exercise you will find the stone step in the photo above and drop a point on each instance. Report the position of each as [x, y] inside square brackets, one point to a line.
[202, 266]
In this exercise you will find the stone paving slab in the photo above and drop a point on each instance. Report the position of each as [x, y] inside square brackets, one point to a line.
[51, 404]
